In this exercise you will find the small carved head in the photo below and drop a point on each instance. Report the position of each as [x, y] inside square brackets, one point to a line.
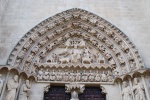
[125, 84]
[16, 78]
[27, 81]
[135, 81]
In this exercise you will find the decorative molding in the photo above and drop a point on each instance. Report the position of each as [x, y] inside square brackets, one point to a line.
[46, 89]
[103, 89]
[10, 68]
[118, 51]
[75, 89]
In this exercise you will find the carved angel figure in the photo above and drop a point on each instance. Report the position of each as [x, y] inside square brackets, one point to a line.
[12, 85]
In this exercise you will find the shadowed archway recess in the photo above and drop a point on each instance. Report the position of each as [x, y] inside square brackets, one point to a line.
[116, 48]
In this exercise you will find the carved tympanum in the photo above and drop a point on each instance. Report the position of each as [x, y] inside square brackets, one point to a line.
[75, 38]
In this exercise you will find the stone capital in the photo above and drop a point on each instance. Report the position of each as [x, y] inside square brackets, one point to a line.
[79, 88]
[75, 89]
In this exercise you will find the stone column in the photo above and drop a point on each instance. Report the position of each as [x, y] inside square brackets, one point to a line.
[17, 92]
[74, 89]
[4, 86]
[146, 89]
[119, 84]
[130, 82]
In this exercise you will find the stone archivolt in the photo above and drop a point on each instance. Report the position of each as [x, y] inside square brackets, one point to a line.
[78, 48]
[75, 31]
[54, 31]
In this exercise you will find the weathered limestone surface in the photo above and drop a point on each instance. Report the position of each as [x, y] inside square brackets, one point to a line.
[35, 92]
[130, 16]
[17, 17]
[3, 8]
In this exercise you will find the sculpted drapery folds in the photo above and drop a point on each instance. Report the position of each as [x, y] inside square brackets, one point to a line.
[25, 91]
[138, 90]
[75, 46]
[126, 92]
[12, 85]
[88, 28]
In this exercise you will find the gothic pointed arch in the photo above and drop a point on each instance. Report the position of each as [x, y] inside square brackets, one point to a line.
[76, 39]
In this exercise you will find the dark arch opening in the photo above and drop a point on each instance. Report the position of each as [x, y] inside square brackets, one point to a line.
[58, 93]
[92, 93]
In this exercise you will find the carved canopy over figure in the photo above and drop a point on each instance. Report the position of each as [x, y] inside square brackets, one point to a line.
[126, 92]
[138, 90]
[25, 91]
[12, 85]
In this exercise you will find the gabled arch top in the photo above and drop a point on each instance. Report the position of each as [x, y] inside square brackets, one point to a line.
[99, 36]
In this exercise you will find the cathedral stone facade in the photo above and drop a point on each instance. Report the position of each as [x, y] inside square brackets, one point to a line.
[74, 55]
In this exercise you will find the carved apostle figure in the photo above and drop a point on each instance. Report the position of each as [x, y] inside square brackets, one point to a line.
[126, 92]
[84, 76]
[66, 77]
[59, 76]
[91, 76]
[46, 75]
[97, 77]
[40, 75]
[12, 85]
[1, 83]
[110, 77]
[25, 91]
[71, 76]
[138, 90]
[53, 75]
[104, 77]
[78, 76]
